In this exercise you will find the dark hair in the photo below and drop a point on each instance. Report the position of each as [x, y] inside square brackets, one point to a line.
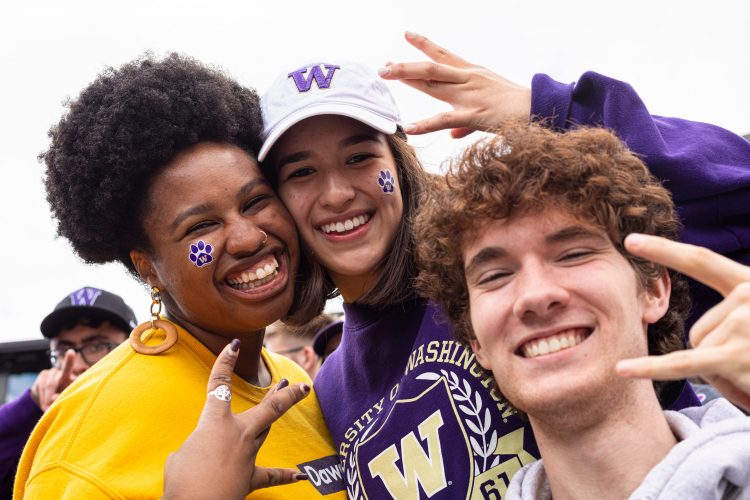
[93, 322]
[116, 136]
[398, 271]
[527, 168]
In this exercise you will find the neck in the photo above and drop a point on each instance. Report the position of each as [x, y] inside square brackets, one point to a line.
[604, 452]
[352, 288]
[250, 366]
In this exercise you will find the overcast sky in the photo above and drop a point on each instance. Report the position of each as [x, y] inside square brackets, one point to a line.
[685, 58]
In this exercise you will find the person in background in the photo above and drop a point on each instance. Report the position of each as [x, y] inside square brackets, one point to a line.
[328, 339]
[83, 328]
[296, 342]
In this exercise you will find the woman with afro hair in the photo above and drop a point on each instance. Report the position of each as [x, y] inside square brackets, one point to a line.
[153, 166]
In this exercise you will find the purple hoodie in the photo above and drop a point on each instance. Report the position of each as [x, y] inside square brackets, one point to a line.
[17, 420]
[409, 409]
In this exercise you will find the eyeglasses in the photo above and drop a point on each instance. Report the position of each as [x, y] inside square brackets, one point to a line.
[91, 352]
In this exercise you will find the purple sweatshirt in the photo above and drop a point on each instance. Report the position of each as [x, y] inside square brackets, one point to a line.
[17, 420]
[409, 409]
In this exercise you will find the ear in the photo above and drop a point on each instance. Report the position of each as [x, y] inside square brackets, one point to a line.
[656, 298]
[483, 360]
[144, 266]
[311, 359]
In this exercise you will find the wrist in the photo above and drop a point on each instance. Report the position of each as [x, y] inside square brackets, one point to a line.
[34, 392]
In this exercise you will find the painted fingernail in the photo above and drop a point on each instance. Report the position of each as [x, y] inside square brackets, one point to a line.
[235, 345]
[284, 382]
[409, 128]
[384, 71]
[305, 388]
[301, 476]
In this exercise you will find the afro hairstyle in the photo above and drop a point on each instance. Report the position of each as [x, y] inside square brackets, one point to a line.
[118, 134]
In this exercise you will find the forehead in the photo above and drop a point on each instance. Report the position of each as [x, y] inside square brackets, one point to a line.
[208, 164]
[82, 333]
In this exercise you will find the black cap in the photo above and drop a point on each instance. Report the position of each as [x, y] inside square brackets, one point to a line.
[89, 302]
[324, 334]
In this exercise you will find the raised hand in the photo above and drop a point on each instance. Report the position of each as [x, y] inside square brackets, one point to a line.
[720, 339]
[218, 459]
[50, 383]
[481, 99]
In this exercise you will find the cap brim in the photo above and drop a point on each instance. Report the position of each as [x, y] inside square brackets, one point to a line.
[379, 123]
[322, 337]
[55, 320]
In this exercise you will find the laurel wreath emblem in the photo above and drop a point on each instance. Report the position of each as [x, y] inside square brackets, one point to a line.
[478, 422]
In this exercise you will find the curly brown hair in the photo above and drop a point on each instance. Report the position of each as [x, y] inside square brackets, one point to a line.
[525, 169]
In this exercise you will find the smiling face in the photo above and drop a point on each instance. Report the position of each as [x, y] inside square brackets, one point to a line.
[554, 306]
[333, 176]
[215, 193]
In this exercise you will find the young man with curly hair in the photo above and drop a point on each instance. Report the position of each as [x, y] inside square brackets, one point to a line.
[524, 247]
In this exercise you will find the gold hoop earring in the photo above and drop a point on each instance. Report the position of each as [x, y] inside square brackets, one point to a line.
[153, 326]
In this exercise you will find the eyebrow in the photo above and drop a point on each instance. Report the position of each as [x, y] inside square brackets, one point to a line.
[343, 143]
[571, 233]
[90, 338]
[194, 210]
[485, 255]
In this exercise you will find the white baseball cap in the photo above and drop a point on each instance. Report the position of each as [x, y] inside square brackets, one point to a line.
[318, 88]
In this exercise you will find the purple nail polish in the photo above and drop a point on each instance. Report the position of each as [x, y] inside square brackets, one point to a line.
[284, 382]
[301, 476]
[305, 388]
[235, 345]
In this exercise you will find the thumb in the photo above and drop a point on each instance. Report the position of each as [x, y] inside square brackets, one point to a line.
[219, 392]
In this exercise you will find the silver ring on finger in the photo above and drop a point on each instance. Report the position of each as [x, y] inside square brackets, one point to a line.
[222, 393]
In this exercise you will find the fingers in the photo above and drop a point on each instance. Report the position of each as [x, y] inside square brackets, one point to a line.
[718, 272]
[461, 120]
[675, 365]
[220, 380]
[66, 370]
[435, 51]
[730, 391]
[726, 320]
[265, 477]
[273, 406]
[424, 71]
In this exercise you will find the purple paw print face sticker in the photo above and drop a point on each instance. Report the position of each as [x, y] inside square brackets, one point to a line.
[386, 181]
[200, 253]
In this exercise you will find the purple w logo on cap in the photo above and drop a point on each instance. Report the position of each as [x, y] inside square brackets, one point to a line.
[316, 73]
[85, 296]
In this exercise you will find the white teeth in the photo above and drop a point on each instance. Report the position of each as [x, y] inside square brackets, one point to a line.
[251, 277]
[553, 343]
[346, 225]
[543, 347]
